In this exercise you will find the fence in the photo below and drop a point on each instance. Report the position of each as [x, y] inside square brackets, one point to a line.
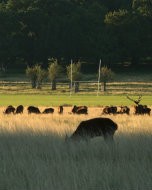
[85, 87]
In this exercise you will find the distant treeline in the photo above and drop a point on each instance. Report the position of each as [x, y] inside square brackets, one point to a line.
[118, 31]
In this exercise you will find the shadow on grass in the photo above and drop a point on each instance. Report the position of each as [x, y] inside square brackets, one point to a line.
[44, 161]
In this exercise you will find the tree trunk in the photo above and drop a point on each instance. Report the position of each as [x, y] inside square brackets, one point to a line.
[53, 85]
[104, 86]
[76, 87]
[38, 85]
[33, 82]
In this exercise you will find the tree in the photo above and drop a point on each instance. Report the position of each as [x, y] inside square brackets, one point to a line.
[36, 75]
[76, 74]
[33, 31]
[106, 75]
[134, 41]
[54, 71]
[144, 7]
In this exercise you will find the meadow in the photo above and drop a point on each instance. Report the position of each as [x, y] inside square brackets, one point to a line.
[33, 151]
[67, 100]
[34, 155]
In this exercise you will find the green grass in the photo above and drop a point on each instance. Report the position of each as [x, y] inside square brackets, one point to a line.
[34, 154]
[56, 100]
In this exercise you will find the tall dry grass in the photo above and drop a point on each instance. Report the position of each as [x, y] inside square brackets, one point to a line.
[34, 155]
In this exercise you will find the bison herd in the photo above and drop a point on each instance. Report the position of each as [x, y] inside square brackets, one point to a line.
[137, 110]
[11, 109]
[90, 128]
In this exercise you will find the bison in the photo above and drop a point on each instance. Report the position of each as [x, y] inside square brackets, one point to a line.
[80, 110]
[9, 109]
[124, 110]
[141, 109]
[109, 110]
[32, 109]
[48, 110]
[19, 109]
[95, 127]
[60, 109]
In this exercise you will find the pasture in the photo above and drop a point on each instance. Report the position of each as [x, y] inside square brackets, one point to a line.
[34, 154]
[89, 88]
[67, 100]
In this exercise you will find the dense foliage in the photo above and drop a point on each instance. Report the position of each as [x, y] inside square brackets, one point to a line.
[106, 75]
[36, 75]
[33, 31]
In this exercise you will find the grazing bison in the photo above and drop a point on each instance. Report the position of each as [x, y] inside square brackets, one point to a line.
[48, 110]
[32, 109]
[109, 110]
[80, 110]
[9, 109]
[95, 127]
[124, 110]
[19, 109]
[60, 109]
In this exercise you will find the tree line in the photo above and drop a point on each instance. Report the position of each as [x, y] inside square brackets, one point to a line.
[37, 74]
[33, 31]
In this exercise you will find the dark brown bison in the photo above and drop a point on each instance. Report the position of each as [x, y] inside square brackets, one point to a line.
[19, 109]
[60, 109]
[32, 109]
[124, 110]
[48, 110]
[109, 110]
[80, 110]
[9, 109]
[95, 127]
[106, 110]
[141, 110]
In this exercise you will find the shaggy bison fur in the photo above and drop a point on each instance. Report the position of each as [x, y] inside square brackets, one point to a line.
[124, 110]
[32, 109]
[9, 109]
[19, 109]
[141, 109]
[109, 110]
[80, 110]
[48, 110]
[95, 127]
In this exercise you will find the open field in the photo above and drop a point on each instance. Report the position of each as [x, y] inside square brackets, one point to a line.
[133, 83]
[34, 154]
[90, 88]
[66, 100]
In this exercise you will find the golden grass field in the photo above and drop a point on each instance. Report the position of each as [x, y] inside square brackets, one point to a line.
[34, 155]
